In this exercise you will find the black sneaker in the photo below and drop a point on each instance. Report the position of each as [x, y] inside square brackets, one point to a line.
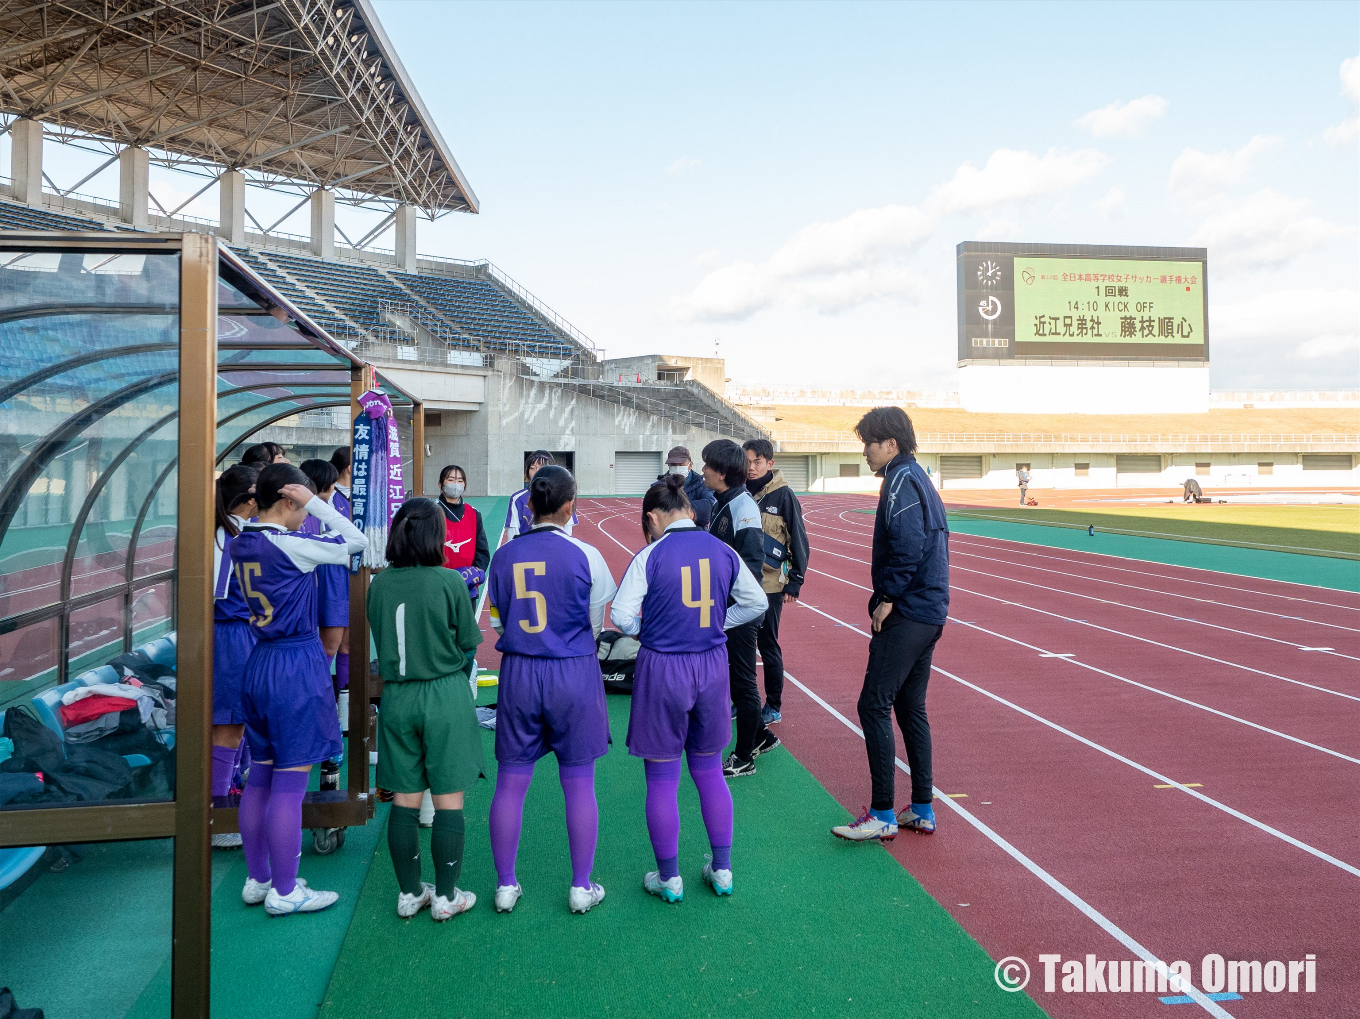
[765, 744]
[735, 767]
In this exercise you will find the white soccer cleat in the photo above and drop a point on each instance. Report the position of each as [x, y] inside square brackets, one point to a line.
[719, 880]
[583, 900]
[866, 828]
[506, 897]
[670, 890]
[410, 905]
[227, 840]
[441, 909]
[300, 900]
[255, 892]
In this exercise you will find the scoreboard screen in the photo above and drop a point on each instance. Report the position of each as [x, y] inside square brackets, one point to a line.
[1081, 303]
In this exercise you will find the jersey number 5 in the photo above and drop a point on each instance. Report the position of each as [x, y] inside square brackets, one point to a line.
[522, 571]
[244, 571]
[704, 602]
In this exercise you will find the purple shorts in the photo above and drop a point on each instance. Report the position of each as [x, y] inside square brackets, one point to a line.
[332, 595]
[232, 643]
[680, 702]
[551, 704]
[289, 703]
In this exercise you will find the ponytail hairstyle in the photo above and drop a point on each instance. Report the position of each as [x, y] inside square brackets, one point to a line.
[552, 488]
[666, 495]
[416, 537]
[271, 481]
[235, 486]
[323, 473]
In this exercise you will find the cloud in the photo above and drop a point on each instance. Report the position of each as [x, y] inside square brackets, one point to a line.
[1123, 120]
[1279, 338]
[1015, 176]
[1203, 172]
[682, 166]
[1263, 229]
[1111, 206]
[1349, 129]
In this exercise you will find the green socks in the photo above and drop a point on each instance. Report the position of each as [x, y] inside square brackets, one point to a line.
[446, 846]
[403, 842]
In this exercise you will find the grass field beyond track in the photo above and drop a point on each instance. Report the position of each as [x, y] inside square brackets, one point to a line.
[816, 927]
[1313, 530]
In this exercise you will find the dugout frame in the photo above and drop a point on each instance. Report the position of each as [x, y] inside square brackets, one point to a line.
[298, 368]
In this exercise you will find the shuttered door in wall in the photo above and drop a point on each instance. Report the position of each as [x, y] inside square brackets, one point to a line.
[1138, 463]
[955, 467]
[795, 471]
[1327, 462]
[635, 472]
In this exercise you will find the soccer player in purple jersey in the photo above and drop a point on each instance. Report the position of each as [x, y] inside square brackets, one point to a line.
[678, 596]
[233, 636]
[547, 593]
[289, 705]
[519, 517]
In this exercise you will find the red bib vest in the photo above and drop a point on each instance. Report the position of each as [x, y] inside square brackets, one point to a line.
[460, 539]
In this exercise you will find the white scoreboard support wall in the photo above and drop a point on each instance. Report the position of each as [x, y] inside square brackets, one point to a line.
[1076, 387]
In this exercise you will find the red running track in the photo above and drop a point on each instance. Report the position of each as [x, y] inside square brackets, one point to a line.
[1068, 688]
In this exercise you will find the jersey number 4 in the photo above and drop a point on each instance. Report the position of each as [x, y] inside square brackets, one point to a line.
[704, 602]
[244, 571]
[540, 603]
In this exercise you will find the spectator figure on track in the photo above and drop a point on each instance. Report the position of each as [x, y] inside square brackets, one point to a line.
[908, 608]
[1022, 477]
[786, 558]
[701, 499]
[1193, 493]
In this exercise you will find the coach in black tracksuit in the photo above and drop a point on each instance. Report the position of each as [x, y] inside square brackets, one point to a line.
[908, 608]
[786, 559]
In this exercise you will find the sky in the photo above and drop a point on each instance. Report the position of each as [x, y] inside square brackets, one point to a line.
[786, 183]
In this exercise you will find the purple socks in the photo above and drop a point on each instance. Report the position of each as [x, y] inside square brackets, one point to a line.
[663, 814]
[252, 819]
[715, 803]
[271, 825]
[341, 671]
[223, 765]
[507, 817]
[583, 819]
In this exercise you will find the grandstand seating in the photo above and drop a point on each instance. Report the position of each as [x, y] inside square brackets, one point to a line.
[14, 216]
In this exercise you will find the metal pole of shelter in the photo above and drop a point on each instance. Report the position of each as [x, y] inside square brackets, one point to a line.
[418, 453]
[360, 740]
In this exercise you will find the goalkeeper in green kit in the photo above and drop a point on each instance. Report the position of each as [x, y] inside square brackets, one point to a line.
[428, 738]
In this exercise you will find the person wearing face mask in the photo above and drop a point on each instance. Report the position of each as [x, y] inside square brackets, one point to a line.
[701, 499]
[465, 546]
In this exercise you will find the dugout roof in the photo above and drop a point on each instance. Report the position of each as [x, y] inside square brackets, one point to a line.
[297, 94]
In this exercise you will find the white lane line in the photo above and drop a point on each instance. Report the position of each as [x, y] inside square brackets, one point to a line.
[1007, 544]
[1082, 906]
[1069, 656]
[1312, 850]
[1154, 590]
[1106, 629]
[1139, 608]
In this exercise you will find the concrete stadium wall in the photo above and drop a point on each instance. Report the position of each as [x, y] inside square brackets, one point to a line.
[523, 414]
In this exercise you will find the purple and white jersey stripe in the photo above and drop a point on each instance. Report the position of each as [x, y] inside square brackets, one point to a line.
[687, 587]
[274, 569]
[547, 592]
[519, 518]
[229, 605]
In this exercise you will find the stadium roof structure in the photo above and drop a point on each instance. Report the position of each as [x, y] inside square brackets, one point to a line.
[297, 94]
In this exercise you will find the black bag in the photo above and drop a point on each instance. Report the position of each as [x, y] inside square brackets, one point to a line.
[776, 554]
[618, 657]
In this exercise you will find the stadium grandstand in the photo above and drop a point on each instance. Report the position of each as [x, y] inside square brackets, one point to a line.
[310, 102]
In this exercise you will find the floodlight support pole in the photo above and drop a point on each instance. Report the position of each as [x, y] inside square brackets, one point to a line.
[26, 161]
[406, 238]
[134, 186]
[323, 224]
[232, 215]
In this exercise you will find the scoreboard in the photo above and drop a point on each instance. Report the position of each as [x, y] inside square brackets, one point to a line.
[1081, 302]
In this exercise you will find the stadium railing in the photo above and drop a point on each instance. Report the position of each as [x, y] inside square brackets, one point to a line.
[1160, 442]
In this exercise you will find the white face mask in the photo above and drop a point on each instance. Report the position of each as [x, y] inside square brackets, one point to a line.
[454, 489]
[678, 469]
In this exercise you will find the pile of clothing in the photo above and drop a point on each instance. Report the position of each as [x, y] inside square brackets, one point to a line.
[90, 712]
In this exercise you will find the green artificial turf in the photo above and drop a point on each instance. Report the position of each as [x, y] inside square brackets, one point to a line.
[1308, 530]
[817, 927]
[1292, 567]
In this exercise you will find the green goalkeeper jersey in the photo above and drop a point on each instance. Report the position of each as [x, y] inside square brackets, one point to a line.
[422, 623]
